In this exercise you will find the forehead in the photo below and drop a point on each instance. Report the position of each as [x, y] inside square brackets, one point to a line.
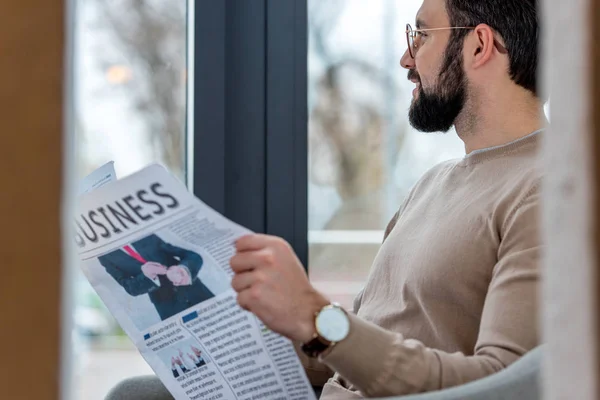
[432, 14]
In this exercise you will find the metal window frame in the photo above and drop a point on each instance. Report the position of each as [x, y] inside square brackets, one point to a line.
[248, 114]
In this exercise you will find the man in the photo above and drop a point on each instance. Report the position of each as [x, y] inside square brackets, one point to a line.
[166, 273]
[452, 293]
[451, 297]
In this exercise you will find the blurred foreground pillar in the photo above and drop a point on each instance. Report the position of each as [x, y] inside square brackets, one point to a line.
[32, 43]
[571, 209]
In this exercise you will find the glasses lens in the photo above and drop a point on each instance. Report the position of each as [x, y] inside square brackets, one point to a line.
[410, 40]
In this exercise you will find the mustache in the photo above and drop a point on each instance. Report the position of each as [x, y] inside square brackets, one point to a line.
[412, 74]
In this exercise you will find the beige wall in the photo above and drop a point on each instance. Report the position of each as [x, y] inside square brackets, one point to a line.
[571, 281]
[31, 47]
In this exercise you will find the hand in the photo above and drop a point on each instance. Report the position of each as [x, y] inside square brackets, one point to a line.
[272, 284]
[172, 362]
[179, 275]
[178, 361]
[152, 269]
[196, 351]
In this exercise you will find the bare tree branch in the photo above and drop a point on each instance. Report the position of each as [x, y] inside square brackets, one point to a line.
[151, 35]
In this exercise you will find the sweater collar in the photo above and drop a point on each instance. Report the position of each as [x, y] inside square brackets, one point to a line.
[481, 155]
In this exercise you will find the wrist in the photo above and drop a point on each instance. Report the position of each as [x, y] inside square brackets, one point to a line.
[307, 329]
[332, 326]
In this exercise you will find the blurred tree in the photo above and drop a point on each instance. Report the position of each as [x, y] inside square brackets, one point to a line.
[149, 36]
[348, 125]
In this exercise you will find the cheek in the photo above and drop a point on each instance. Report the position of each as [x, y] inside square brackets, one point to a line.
[426, 81]
[429, 77]
[424, 70]
[428, 68]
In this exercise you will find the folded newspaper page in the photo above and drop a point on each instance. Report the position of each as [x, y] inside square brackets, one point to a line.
[159, 259]
[100, 177]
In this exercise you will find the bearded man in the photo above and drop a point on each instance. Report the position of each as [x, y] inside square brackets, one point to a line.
[452, 294]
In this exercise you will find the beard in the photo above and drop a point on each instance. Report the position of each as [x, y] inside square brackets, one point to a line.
[436, 109]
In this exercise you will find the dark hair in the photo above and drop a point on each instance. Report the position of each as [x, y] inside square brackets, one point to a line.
[517, 23]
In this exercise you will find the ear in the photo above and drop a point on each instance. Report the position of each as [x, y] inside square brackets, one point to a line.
[481, 46]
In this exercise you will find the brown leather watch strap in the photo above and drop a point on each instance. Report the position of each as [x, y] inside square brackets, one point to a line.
[315, 347]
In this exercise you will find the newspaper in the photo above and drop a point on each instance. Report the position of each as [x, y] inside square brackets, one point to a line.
[159, 259]
[100, 177]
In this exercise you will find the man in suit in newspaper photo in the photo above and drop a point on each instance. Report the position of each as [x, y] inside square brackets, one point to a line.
[167, 274]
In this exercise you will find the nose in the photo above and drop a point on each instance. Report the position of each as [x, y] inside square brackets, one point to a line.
[407, 61]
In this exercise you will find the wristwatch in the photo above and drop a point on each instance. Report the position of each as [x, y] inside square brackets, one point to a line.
[332, 325]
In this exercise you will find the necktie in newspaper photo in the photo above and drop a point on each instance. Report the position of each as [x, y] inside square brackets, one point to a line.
[129, 250]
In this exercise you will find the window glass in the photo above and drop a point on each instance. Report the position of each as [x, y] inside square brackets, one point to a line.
[363, 155]
[130, 108]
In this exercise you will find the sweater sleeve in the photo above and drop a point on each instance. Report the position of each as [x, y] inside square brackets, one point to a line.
[317, 372]
[383, 363]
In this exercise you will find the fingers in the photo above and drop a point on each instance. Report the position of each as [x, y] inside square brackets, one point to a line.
[248, 261]
[253, 242]
[178, 276]
[248, 297]
[245, 280]
[154, 264]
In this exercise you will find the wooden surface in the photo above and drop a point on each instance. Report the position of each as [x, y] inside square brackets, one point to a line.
[31, 110]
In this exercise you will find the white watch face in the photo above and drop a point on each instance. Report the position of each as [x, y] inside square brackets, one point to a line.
[333, 324]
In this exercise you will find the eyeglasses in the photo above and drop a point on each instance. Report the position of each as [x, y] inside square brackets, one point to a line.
[413, 38]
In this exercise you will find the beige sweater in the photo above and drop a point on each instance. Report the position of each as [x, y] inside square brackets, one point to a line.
[452, 293]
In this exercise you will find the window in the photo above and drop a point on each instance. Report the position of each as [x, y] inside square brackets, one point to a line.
[363, 156]
[245, 118]
[130, 107]
[245, 83]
